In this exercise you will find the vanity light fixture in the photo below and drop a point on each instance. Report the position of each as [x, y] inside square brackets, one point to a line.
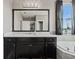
[31, 3]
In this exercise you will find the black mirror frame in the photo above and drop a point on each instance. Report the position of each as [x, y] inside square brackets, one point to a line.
[29, 10]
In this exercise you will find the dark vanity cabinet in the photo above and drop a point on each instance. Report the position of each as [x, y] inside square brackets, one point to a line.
[30, 48]
[9, 48]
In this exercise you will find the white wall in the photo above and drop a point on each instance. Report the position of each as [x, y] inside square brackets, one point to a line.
[7, 16]
[44, 4]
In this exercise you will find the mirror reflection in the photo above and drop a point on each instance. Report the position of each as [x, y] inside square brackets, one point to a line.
[31, 20]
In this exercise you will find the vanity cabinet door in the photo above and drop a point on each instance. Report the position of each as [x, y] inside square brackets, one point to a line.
[23, 48]
[9, 48]
[30, 48]
[51, 48]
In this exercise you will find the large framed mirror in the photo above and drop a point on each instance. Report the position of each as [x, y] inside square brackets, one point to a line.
[30, 20]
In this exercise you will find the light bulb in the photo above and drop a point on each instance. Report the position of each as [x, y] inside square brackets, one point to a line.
[36, 5]
[28, 4]
[32, 4]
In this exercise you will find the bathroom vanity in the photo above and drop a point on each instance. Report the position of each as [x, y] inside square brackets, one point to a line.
[30, 47]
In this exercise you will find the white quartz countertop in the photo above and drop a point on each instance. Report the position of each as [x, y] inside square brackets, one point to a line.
[34, 34]
[28, 34]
